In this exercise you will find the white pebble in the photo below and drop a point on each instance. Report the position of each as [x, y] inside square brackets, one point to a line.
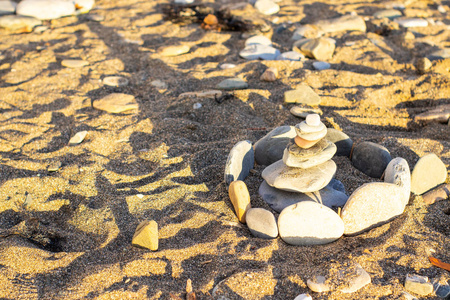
[313, 120]
[227, 66]
[303, 297]
[321, 65]
[197, 105]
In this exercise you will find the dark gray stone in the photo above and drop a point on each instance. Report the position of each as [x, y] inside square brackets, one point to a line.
[240, 161]
[443, 291]
[270, 148]
[279, 199]
[342, 141]
[371, 159]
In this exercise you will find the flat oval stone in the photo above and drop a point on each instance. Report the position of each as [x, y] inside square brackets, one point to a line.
[232, 84]
[258, 51]
[258, 39]
[321, 65]
[78, 138]
[262, 223]
[7, 7]
[317, 284]
[311, 136]
[279, 199]
[267, 7]
[116, 81]
[387, 13]
[240, 161]
[174, 50]
[290, 179]
[372, 205]
[411, 22]
[270, 148]
[74, 63]
[15, 22]
[303, 94]
[303, 112]
[309, 223]
[304, 154]
[116, 103]
[371, 159]
[45, 9]
[342, 141]
[344, 23]
[240, 198]
[292, 160]
[305, 128]
[227, 66]
[305, 144]
[428, 173]
[398, 173]
[291, 55]
[313, 120]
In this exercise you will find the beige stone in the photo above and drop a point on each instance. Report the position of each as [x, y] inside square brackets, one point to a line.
[74, 63]
[240, 198]
[78, 138]
[271, 74]
[305, 144]
[174, 50]
[319, 48]
[116, 103]
[146, 235]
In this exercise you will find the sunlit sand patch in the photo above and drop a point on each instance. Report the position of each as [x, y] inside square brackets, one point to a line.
[197, 221]
[244, 95]
[423, 146]
[102, 279]
[97, 221]
[144, 267]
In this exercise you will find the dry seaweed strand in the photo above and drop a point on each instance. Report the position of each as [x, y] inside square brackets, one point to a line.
[436, 262]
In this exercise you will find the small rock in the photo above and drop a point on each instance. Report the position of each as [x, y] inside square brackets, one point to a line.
[313, 120]
[7, 7]
[398, 173]
[116, 103]
[303, 94]
[321, 65]
[441, 9]
[197, 105]
[78, 138]
[441, 192]
[232, 84]
[211, 20]
[267, 7]
[258, 40]
[14, 22]
[318, 48]
[270, 148]
[418, 285]
[45, 9]
[184, 2]
[355, 279]
[423, 65]
[306, 144]
[293, 156]
[371, 205]
[279, 199]
[74, 63]
[54, 166]
[258, 51]
[408, 36]
[290, 179]
[159, 84]
[240, 161]
[443, 291]
[371, 159]
[440, 114]
[317, 284]
[344, 23]
[306, 31]
[262, 223]
[96, 17]
[291, 55]
[240, 198]
[309, 223]
[310, 133]
[304, 111]
[40, 29]
[439, 54]
[303, 297]
[174, 50]
[387, 13]
[411, 22]
[428, 173]
[116, 81]
[146, 235]
[270, 74]
[227, 66]
[342, 141]
[202, 94]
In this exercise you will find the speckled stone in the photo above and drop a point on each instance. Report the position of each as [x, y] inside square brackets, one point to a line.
[240, 198]
[428, 172]
[302, 94]
[146, 235]
[309, 223]
[398, 173]
[299, 161]
[290, 179]
[279, 199]
[342, 141]
[262, 223]
[372, 205]
[240, 161]
[371, 159]
[270, 148]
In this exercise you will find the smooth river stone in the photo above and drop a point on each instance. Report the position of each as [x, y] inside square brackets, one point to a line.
[45, 9]
[305, 128]
[371, 159]
[290, 179]
[232, 84]
[342, 141]
[304, 111]
[240, 161]
[267, 7]
[305, 144]
[302, 153]
[14, 22]
[303, 94]
[313, 120]
[174, 50]
[428, 173]
[116, 103]
[7, 7]
[398, 173]
[411, 22]
[270, 148]
[372, 205]
[74, 63]
[344, 23]
[291, 55]
[312, 136]
[319, 48]
[291, 160]
[309, 223]
[240, 198]
[116, 81]
[279, 199]
[387, 13]
[258, 51]
[262, 223]
[258, 39]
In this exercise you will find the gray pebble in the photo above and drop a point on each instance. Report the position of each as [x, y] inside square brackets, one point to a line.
[261, 223]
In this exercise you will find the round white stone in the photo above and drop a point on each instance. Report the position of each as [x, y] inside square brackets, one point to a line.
[258, 40]
[313, 120]
[306, 128]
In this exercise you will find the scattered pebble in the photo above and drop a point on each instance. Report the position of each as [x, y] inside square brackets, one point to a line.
[354, 278]
[303, 111]
[318, 48]
[370, 158]
[411, 22]
[418, 285]
[159, 84]
[14, 22]
[240, 161]
[117, 81]
[408, 36]
[443, 291]
[303, 94]
[78, 138]
[441, 9]
[197, 105]
[267, 7]
[232, 84]
[45, 9]
[116, 103]
[74, 63]
[439, 114]
[7, 7]
[40, 29]
[270, 74]
[318, 284]
[227, 66]
[270, 148]
[203, 94]
[183, 1]
[428, 173]
[54, 166]
[303, 297]
[96, 17]
[262, 223]
[174, 50]
[321, 65]
[441, 192]
[423, 65]
[439, 54]
[344, 23]
[258, 40]
[240, 198]
[258, 51]
[398, 173]
[291, 55]
[370, 205]
[146, 235]
[388, 13]
[309, 223]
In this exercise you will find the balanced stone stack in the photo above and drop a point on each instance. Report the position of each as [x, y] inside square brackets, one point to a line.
[306, 167]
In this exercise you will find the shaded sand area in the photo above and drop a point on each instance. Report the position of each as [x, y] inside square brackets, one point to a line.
[67, 234]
